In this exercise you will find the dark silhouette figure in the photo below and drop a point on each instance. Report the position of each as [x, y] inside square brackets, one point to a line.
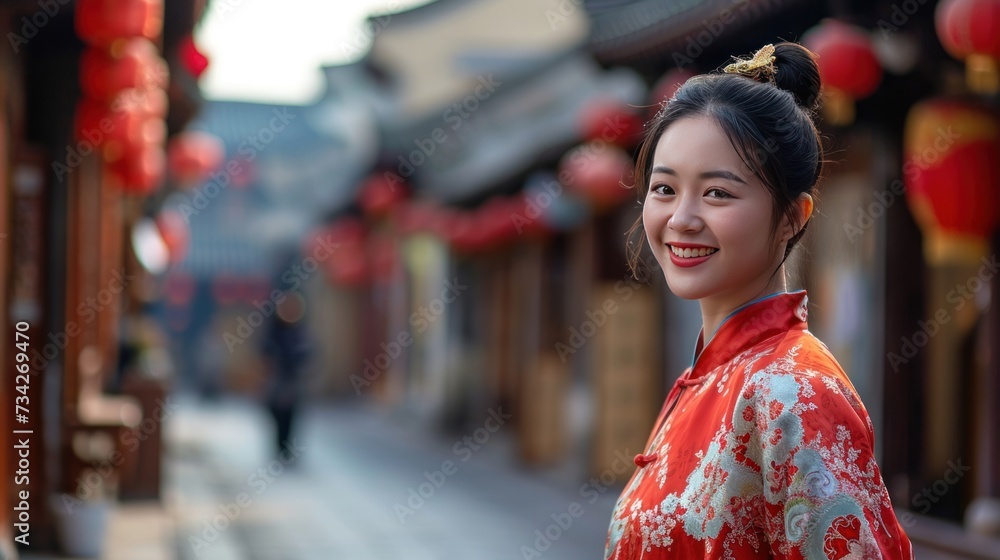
[286, 350]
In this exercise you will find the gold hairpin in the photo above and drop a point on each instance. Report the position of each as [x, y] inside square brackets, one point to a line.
[763, 60]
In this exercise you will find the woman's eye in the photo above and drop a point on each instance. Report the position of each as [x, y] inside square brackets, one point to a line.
[662, 190]
[718, 193]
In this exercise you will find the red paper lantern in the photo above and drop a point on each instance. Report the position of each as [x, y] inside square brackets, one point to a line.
[348, 230]
[611, 121]
[415, 217]
[598, 173]
[192, 155]
[380, 193]
[191, 58]
[491, 227]
[443, 222]
[102, 22]
[848, 67]
[496, 220]
[140, 172]
[175, 233]
[528, 215]
[970, 31]
[132, 63]
[952, 181]
[151, 102]
[133, 133]
[464, 234]
[92, 121]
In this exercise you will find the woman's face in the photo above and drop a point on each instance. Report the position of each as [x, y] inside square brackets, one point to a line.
[708, 218]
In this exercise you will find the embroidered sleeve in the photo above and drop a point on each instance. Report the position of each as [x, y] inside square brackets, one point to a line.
[823, 495]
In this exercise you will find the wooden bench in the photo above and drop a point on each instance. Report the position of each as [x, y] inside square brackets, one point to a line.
[95, 435]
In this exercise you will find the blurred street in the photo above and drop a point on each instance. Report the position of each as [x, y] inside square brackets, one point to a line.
[338, 499]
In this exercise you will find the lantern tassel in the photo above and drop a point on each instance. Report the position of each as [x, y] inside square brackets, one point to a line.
[981, 74]
[943, 248]
[838, 107]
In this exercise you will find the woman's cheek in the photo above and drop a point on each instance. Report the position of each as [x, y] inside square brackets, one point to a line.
[652, 220]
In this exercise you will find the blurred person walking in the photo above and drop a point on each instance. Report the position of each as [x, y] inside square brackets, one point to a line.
[285, 350]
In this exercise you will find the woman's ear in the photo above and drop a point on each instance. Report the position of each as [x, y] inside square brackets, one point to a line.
[804, 208]
[805, 204]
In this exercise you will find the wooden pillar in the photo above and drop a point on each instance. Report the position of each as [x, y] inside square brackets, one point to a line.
[28, 250]
[991, 421]
[947, 374]
[7, 440]
[983, 513]
[113, 279]
[903, 396]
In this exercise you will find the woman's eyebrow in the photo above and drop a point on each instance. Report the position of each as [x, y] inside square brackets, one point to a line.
[716, 174]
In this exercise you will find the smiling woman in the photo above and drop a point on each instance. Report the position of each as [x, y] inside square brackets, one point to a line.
[763, 448]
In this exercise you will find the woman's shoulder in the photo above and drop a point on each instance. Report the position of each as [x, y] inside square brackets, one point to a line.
[802, 366]
[800, 352]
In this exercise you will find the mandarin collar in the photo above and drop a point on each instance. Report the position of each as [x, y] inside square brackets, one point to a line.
[748, 325]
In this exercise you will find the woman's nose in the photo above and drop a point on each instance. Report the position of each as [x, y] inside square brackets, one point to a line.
[685, 217]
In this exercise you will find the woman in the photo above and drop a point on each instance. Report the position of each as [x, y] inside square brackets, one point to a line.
[763, 448]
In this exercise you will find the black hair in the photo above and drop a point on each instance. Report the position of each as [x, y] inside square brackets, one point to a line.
[768, 117]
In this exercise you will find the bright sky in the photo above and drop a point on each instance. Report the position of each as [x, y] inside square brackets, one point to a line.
[271, 50]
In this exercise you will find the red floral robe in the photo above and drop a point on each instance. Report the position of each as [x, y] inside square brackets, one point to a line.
[762, 450]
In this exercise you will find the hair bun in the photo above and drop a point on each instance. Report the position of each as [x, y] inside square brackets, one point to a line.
[796, 72]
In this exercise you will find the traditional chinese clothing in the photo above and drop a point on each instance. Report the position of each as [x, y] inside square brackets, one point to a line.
[762, 450]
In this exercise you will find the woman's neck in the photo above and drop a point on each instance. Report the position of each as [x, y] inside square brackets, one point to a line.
[715, 309]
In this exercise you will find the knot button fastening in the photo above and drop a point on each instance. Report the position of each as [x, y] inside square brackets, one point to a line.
[643, 460]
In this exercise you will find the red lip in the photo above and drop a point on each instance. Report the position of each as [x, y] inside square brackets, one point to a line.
[690, 261]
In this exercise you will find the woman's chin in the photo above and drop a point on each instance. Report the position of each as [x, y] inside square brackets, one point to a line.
[685, 290]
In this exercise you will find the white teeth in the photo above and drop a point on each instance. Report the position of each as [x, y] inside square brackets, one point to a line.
[689, 253]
